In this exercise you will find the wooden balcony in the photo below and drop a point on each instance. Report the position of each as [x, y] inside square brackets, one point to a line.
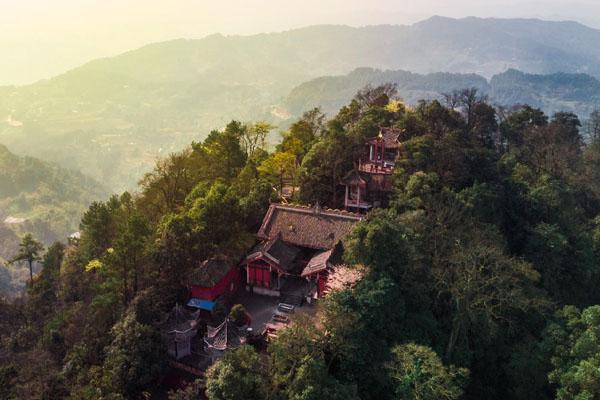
[361, 204]
[373, 168]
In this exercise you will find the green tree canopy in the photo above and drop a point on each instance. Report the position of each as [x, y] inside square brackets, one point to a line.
[419, 374]
[237, 375]
[573, 342]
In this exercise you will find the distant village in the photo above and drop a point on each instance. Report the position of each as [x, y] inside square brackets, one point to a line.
[296, 261]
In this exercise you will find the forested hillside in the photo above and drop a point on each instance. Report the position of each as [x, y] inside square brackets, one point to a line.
[480, 278]
[49, 199]
[113, 117]
[577, 93]
[41, 198]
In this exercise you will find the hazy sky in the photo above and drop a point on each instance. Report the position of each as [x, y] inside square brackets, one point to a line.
[42, 38]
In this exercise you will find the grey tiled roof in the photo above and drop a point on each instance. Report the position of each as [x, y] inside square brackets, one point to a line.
[314, 228]
[211, 272]
[180, 320]
[317, 263]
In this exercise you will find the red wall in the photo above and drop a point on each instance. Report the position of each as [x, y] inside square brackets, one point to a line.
[223, 287]
[259, 275]
[322, 283]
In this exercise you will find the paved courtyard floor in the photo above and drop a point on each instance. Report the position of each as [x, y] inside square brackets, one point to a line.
[262, 308]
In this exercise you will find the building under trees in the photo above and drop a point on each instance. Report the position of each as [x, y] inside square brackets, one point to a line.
[370, 183]
[179, 330]
[298, 247]
[216, 279]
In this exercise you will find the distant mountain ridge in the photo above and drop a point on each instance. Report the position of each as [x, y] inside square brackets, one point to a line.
[113, 117]
[579, 93]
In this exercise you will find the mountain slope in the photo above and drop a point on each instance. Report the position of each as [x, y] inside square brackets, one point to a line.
[112, 117]
[332, 92]
[579, 93]
[490, 46]
[42, 198]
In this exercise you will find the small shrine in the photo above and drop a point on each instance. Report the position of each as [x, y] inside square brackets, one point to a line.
[178, 331]
[216, 279]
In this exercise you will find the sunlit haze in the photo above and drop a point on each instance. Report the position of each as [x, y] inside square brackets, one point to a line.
[42, 38]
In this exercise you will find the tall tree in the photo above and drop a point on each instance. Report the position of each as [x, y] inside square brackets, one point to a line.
[554, 148]
[592, 126]
[280, 167]
[128, 252]
[483, 284]
[226, 157]
[419, 374]
[517, 121]
[254, 137]
[322, 169]
[468, 100]
[303, 134]
[166, 186]
[97, 228]
[30, 251]
[135, 359]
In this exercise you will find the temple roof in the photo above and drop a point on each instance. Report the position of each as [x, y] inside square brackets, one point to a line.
[181, 320]
[277, 251]
[314, 228]
[354, 177]
[211, 272]
[223, 337]
[319, 262]
[391, 137]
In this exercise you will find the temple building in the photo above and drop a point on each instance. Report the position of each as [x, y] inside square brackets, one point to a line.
[298, 247]
[178, 331]
[369, 184]
[216, 279]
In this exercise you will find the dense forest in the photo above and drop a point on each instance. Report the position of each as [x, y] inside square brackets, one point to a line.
[481, 279]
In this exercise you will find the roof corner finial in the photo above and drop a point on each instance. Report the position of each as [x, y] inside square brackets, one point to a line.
[317, 208]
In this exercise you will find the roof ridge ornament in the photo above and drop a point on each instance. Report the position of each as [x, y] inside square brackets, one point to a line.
[318, 208]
